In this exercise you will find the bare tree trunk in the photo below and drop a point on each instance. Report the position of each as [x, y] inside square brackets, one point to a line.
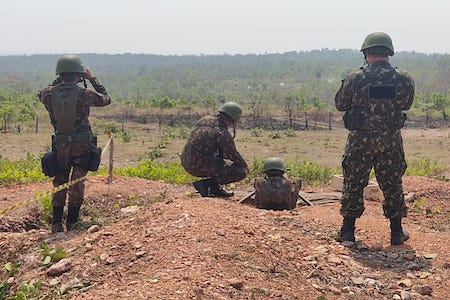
[36, 122]
[306, 120]
[329, 120]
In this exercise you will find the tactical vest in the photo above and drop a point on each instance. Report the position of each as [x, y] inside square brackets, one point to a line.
[379, 108]
[64, 102]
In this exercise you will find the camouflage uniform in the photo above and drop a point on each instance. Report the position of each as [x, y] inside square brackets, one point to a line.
[73, 154]
[209, 144]
[276, 192]
[374, 139]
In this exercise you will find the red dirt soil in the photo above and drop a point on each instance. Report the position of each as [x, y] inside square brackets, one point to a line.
[180, 246]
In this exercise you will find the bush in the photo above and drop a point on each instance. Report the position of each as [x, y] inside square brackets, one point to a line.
[126, 136]
[310, 173]
[275, 135]
[256, 132]
[169, 172]
[21, 171]
[425, 167]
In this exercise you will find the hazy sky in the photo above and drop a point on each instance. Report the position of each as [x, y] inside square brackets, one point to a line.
[218, 26]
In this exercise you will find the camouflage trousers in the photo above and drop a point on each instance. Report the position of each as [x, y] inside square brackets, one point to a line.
[382, 151]
[76, 191]
[217, 169]
[72, 165]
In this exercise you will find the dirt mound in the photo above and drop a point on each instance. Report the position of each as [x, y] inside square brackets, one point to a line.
[156, 240]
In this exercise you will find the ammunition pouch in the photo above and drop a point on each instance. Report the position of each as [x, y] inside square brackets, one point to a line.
[95, 159]
[399, 119]
[91, 160]
[49, 164]
[353, 119]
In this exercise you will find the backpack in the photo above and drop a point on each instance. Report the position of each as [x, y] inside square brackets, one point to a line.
[64, 102]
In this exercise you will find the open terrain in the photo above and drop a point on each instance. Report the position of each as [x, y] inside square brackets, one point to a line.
[176, 245]
[157, 240]
[324, 147]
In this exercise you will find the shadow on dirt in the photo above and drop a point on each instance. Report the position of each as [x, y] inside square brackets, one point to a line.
[395, 258]
[21, 223]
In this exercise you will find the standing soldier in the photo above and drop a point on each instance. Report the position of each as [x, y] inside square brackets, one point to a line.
[275, 191]
[210, 152]
[374, 98]
[73, 143]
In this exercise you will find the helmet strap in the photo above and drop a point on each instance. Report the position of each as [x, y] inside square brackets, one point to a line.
[365, 52]
[234, 128]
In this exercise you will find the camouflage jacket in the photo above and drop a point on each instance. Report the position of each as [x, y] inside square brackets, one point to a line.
[209, 142]
[276, 192]
[375, 97]
[87, 98]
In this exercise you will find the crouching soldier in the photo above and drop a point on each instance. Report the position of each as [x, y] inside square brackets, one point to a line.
[211, 152]
[276, 191]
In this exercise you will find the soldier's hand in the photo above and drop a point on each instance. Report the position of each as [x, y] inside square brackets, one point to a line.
[247, 170]
[88, 73]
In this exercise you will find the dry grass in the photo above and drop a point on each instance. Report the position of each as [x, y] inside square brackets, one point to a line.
[323, 147]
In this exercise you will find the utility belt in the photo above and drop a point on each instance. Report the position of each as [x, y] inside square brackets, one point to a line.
[89, 161]
[354, 119]
[63, 138]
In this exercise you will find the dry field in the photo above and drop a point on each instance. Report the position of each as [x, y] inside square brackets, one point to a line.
[179, 246]
[324, 147]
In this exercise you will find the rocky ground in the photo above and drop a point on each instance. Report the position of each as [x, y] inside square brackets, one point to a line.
[155, 240]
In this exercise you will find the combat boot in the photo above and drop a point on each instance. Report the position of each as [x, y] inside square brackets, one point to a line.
[73, 214]
[348, 230]
[399, 235]
[218, 191]
[203, 186]
[57, 219]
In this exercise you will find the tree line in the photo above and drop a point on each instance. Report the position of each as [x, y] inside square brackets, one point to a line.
[290, 84]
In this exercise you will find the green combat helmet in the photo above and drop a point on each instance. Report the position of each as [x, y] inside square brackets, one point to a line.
[378, 43]
[69, 64]
[232, 110]
[274, 163]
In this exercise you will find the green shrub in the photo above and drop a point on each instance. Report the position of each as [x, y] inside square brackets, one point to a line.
[290, 132]
[168, 133]
[256, 132]
[46, 202]
[51, 255]
[11, 268]
[112, 128]
[169, 172]
[28, 291]
[425, 167]
[155, 153]
[275, 135]
[183, 132]
[310, 173]
[256, 169]
[21, 171]
[418, 205]
[4, 288]
[126, 136]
